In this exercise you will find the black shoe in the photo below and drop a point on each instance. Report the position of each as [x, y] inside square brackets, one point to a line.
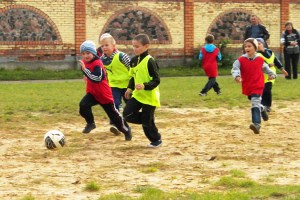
[88, 128]
[264, 114]
[255, 128]
[128, 135]
[114, 130]
[155, 144]
[219, 92]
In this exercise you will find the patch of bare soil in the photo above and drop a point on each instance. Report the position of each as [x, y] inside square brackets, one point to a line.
[199, 147]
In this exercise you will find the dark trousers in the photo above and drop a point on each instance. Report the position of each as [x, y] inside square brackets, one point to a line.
[267, 95]
[85, 110]
[211, 83]
[287, 60]
[145, 117]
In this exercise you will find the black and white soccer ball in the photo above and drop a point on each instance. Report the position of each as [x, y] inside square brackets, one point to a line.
[54, 139]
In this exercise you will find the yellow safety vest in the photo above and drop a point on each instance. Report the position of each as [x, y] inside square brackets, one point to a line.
[141, 75]
[117, 73]
[269, 61]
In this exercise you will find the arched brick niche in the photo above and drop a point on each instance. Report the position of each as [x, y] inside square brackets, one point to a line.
[22, 23]
[230, 25]
[129, 22]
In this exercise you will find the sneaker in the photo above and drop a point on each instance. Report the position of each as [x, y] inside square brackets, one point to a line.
[128, 136]
[219, 92]
[202, 94]
[155, 144]
[255, 128]
[88, 128]
[264, 114]
[114, 130]
[268, 108]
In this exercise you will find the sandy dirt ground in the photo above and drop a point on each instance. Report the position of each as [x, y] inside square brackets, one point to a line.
[199, 147]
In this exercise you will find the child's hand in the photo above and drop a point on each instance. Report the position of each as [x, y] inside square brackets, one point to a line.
[128, 93]
[238, 79]
[139, 86]
[82, 64]
[271, 77]
[284, 72]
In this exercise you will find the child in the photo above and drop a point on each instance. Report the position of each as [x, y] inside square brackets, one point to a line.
[248, 69]
[270, 58]
[142, 91]
[117, 66]
[209, 55]
[97, 91]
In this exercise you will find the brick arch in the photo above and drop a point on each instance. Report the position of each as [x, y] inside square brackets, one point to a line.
[23, 24]
[230, 24]
[128, 22]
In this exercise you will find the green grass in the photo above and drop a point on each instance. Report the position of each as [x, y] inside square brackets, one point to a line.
[50, 102]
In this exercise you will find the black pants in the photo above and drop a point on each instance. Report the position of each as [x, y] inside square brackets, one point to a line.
[145, 117]
[287, 60]
[85, 110]
[267, 95]
[211, 83]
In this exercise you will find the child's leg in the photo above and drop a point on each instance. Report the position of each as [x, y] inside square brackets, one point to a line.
[211, 81]
[216, 87]
[267, 95]
[148, 124]
[85, 108]
[132, 112]
[117, 119]
[255, 112]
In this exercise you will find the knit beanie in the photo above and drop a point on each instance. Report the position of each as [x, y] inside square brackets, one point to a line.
[261, 41]
[89, 46]
[253, 41]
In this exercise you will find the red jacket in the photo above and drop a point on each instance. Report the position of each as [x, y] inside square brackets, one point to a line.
[97, 85]
[252, 75]
[209, 62]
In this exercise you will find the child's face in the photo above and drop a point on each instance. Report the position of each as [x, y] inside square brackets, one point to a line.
[138, 47]
[107, 47]
[249, 49]
[260, 46]
[87, 56]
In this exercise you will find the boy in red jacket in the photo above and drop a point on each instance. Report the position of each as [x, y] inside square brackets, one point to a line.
[98, 91]
[248, 69]
[209, 55]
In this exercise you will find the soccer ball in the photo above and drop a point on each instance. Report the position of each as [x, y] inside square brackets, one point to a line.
[54, 139]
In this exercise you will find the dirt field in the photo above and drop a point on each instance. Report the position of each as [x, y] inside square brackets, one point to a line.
[199, 147]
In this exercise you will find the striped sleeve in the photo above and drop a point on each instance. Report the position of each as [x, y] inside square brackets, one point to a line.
[125, 59]
[96, 76]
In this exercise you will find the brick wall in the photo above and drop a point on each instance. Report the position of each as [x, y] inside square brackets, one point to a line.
[185, 21]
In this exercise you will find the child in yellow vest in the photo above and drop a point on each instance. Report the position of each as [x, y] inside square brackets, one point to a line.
[117, 66]
[269, 58]
[142, 91]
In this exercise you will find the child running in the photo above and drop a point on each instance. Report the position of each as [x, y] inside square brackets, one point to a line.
[117, 66]
[248, 69]
[209, 55]
[98, 91]
[270, 58]
[143, 92]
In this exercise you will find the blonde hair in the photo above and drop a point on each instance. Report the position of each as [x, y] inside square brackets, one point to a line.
[107, 36]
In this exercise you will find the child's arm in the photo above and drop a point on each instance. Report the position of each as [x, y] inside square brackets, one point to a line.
[125, 59]
[97, 75]
[278, 64]
[153, 72]
[219, 57]
[266, 69]
[236, 72]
